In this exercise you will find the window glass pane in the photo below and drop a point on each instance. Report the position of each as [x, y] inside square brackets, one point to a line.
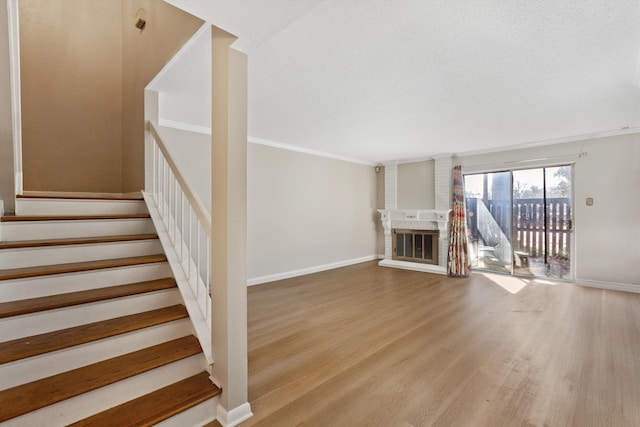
[488, 198]
[559, 221]
[529, 222]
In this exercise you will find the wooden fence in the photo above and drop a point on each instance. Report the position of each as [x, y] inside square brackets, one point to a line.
[529, 224]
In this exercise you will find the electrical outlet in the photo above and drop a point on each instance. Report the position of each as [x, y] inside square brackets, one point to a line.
[589, 201]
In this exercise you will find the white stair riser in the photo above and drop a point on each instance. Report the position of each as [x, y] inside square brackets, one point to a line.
[87, 404]
[49, 255]
[45, 365]
[79, 207]
[41, 230]
[51, 320]
[17, 289]
[199, 415]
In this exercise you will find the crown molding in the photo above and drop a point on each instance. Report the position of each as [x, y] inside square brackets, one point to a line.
[289, 147]
[574, 138]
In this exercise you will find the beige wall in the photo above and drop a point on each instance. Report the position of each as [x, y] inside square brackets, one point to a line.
[416, 185]
[84, 67]
[144, 53]
[6, 139]
[71, 100]
[607, 233]
[306, 211]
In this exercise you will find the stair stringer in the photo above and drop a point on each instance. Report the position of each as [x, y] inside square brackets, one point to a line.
[200, 324]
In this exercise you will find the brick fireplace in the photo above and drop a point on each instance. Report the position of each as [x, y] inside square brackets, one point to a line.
[394, 219]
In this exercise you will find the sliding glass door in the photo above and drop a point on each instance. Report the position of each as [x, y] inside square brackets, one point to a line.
[489, 220]
[520, 221]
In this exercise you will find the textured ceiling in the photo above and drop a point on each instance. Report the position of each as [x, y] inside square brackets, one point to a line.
[381, 80]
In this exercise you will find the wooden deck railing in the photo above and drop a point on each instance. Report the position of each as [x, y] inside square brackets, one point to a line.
[529, 224]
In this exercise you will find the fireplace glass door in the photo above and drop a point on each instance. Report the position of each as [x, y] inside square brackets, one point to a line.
[415, 246]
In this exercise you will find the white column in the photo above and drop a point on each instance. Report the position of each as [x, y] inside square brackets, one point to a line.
[229, 227]
[391, 186]
[443, 181]
[390, 202]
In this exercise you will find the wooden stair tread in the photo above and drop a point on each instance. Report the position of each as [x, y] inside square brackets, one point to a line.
[29, 397]
[157, 406]
[23, 348]
[44, 270]
[16, 218]
[33, 305]
[135, 196]
[75, 241]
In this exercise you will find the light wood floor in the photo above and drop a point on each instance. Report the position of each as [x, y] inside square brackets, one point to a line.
[373, 346]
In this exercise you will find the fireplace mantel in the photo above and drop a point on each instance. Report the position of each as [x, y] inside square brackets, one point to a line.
[419, 219]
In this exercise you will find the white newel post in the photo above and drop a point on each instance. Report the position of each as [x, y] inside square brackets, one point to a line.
[229, 227]
[151, 113]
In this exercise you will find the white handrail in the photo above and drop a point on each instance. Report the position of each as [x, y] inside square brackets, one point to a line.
[199, 209]
[184, 229]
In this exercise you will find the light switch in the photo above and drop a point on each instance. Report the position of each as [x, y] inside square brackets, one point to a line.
[589, 201]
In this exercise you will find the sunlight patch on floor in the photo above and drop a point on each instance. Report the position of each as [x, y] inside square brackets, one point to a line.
[514, 284]
[508, 283]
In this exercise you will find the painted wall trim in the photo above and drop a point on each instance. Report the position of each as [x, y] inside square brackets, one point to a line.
[260, 141]
[184, 126]
[16, 107]
[309, 270]
[290, 147]
[624, 287]
[235, 416]
[304, 150]
[414, 266]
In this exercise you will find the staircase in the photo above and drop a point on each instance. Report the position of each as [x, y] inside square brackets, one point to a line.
[93, 330]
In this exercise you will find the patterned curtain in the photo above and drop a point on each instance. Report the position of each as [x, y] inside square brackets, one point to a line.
[458, 264]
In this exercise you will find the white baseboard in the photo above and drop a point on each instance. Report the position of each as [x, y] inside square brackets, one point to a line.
[624, 287]
[235, 416]
[415, 266]
[309, 270]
